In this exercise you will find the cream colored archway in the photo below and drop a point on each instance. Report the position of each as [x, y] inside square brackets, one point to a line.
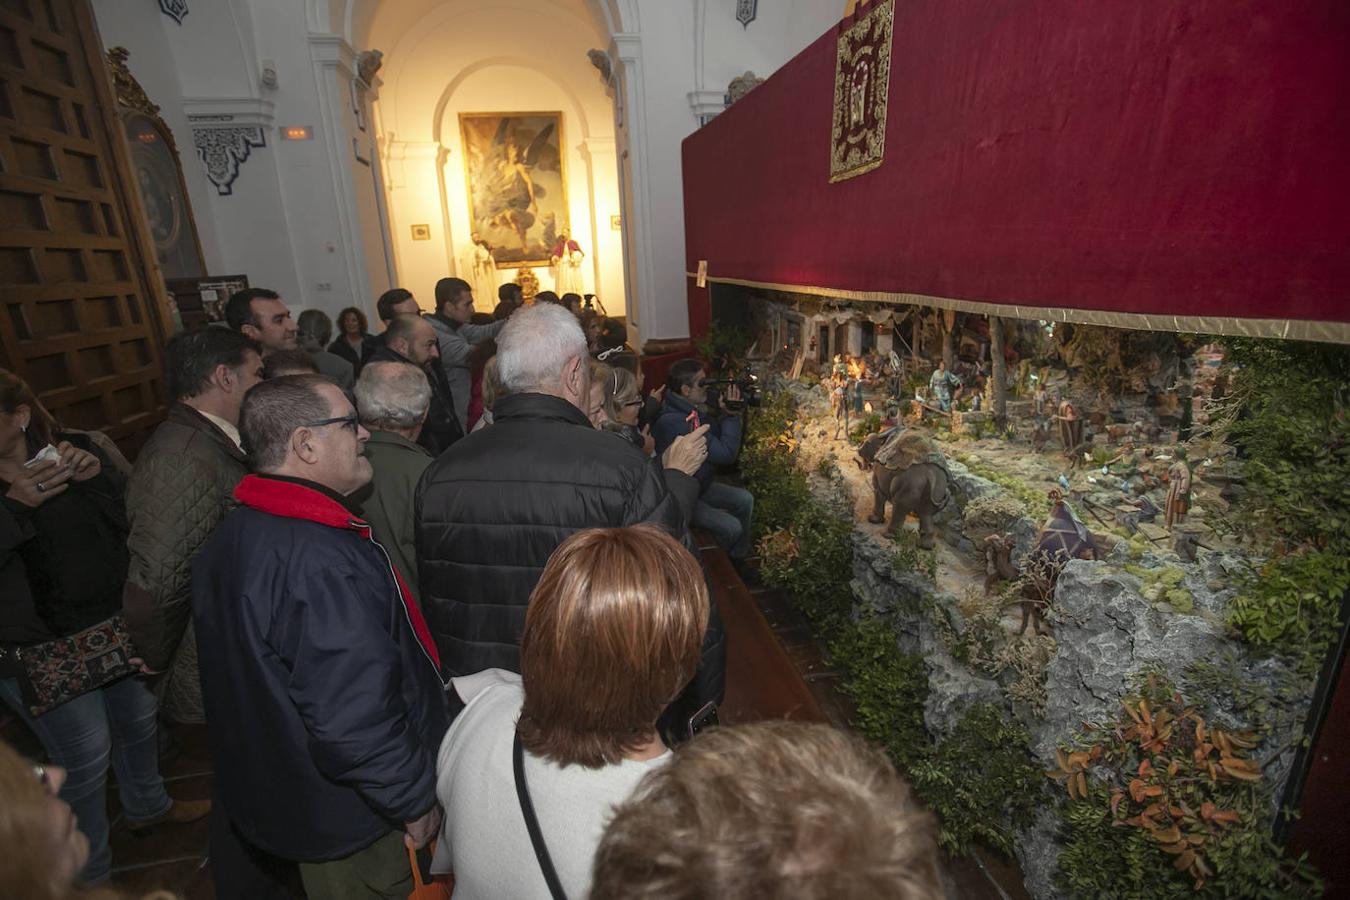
[444, 58]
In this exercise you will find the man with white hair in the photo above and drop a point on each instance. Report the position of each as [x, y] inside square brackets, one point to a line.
[392, 399]
[492, 508]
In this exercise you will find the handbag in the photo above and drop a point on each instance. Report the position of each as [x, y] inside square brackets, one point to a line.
[532, 823]
[56, 672]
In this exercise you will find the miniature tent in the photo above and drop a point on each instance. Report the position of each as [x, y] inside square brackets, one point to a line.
[1178, 165]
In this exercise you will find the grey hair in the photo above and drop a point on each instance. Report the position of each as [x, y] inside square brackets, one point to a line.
[392, 395]
[315, 328]
[535, 345]
[271, 413]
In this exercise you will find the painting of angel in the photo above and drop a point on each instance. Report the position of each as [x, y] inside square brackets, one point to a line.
[517, 184]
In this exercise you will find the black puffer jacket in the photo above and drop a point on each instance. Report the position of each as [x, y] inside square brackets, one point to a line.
[492, 508]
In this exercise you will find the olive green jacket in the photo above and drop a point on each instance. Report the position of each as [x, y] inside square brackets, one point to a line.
[387, 502]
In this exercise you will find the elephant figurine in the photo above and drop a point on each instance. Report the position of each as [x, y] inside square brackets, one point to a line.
[909, 471]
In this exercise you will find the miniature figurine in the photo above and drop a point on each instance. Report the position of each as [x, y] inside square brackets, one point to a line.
[1178, 489]
[943, 386]
[998, 561]
[858, 396]
[1038, 401]
[1070, 427]
[839, 405]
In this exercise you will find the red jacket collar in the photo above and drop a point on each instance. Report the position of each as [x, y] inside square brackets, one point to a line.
[295, 501]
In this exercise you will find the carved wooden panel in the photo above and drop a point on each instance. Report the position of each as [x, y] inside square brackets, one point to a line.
[79, 318]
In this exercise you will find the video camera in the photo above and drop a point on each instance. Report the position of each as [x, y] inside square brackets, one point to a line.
[747, 381]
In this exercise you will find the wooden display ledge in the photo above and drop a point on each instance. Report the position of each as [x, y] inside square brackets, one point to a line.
[762, 681]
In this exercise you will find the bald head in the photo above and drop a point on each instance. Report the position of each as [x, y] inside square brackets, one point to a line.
[413, 338]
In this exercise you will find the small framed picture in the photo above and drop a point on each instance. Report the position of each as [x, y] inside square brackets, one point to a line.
[421, 232]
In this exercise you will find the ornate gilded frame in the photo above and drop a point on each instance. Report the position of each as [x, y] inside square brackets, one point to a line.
[132, 102]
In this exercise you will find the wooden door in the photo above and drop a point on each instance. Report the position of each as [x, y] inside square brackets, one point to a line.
[83, 317]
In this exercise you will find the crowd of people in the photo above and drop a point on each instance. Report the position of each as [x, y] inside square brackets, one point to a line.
[427, 588]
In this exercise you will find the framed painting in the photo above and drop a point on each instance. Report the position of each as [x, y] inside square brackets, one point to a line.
[515, 173]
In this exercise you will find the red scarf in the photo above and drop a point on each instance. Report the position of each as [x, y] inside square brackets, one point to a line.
[295, 501]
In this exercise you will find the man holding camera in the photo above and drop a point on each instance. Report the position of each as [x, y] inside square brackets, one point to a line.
[723, 509]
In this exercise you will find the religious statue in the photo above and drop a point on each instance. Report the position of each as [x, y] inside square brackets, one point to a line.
[943, 386]
[482, 269]
[1178, 489]
[565, 264]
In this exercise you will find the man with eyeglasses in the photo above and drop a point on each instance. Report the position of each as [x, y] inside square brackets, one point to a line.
[321, 681]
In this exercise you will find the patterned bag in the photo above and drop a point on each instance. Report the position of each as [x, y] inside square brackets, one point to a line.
[55, 672]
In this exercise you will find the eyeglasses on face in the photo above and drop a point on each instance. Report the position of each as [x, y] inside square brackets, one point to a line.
[344, 421]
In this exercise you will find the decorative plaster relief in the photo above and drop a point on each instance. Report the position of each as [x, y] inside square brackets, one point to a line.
[222, 148]
[746, 10]
[174, 9]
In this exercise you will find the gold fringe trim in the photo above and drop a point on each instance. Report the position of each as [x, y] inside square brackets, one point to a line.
[1285, 329]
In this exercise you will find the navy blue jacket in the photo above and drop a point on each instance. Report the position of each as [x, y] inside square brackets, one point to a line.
[724, 435]
[322, 689]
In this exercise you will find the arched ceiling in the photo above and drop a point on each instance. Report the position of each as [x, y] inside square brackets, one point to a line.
[365, 23]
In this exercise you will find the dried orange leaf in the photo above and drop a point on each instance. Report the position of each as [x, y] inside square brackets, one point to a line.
[1167, 835]
[1184, 861]
[1174, 849]
[1243, 774]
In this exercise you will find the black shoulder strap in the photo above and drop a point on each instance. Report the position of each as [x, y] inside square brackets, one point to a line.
[532, 823]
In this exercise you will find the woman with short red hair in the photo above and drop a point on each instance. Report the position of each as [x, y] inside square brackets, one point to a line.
[612, 636]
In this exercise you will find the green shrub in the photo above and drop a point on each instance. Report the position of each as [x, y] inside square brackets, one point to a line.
[1287, 411]
[888, 686]
[981, 781]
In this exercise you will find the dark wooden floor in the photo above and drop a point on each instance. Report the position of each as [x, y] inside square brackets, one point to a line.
[774, 670]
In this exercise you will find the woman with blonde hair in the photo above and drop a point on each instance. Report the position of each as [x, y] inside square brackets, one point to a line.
[531, 769]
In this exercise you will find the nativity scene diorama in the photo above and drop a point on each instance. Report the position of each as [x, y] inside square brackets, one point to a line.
[1038, 511]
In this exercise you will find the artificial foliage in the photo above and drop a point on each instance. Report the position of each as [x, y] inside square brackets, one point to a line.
[981, 781]
[888, 687]
[1287, 415]
[1160, 803]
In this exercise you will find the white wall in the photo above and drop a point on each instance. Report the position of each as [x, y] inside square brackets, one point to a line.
[299, 215]
[678, 57]
[466, 56]
[306, 218]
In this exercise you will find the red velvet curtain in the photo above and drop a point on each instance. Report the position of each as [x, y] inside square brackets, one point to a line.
[1169, 158]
